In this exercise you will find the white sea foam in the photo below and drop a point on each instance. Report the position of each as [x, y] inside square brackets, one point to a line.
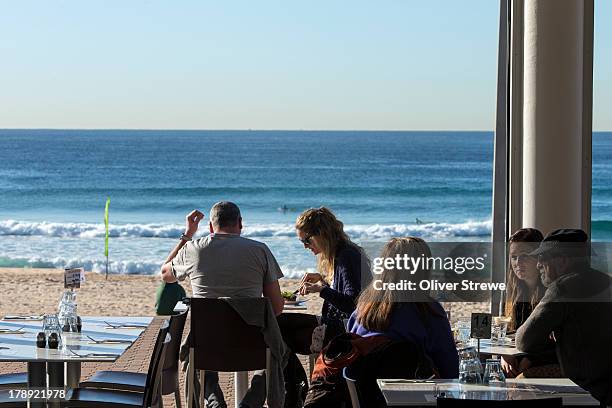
[117, 267]
[361, 232]
[60, 245]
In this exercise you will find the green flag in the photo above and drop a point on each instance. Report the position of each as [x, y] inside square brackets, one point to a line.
[106, 226]
[106, 233]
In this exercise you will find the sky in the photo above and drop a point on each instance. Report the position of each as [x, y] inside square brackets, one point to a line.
[328, 65]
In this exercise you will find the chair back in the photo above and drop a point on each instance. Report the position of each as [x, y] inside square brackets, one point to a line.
[170, 371]
[222, 341]
[398, 359]
[155, 364]
[351, 384]
[459, 403]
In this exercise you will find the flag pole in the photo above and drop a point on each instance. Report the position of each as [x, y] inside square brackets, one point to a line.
[106, 233]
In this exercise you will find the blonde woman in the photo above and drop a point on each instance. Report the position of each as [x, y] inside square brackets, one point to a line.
[407, 315]
[341, 266]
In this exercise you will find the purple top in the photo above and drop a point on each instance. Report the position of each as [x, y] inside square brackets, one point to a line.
[432, 333]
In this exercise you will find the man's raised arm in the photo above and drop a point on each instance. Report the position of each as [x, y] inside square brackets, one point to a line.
[192, 221]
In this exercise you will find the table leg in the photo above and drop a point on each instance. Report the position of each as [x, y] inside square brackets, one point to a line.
[73, 374]
[56, 380]
[241, 384]
[37, 379]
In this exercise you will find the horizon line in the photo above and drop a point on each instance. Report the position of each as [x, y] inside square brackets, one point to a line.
[265, 130]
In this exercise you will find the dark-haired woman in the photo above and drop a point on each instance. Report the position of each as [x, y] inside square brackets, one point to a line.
[524, 292]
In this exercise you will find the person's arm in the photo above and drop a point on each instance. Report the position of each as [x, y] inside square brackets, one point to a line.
[272, 291]
[167, 274]
[271, 287]
[348, 270]
[192, 221]
[548, 315]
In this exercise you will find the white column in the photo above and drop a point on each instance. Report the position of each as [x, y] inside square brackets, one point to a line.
[553, 115]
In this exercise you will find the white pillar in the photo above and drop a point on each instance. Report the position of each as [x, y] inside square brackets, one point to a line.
[554, 111]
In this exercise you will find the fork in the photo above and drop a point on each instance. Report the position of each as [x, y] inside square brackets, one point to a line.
[125, 325]
[107, 340]
[92, 354]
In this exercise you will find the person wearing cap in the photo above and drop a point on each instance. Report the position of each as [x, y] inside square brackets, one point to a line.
[576, 311]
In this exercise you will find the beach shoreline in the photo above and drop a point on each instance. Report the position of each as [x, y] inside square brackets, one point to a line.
[35, 291]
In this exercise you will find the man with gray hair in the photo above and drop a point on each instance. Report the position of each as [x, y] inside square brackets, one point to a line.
[223, 264]
[576, 311]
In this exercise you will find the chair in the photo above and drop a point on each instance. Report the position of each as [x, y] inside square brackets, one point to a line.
[398, 359]
[351, 384]
[230, 346]
[130, 381]
[459, 403]
[13, 381]
[7, 400]
[105, 398]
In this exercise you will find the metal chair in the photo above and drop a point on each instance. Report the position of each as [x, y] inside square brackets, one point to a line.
[351, 384]
[130, 381]
[13, 381]
[105, 398]
[8, 400]
[398, 359]
[231, 345]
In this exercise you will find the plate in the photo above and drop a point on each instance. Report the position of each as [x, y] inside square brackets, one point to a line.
[294, 302]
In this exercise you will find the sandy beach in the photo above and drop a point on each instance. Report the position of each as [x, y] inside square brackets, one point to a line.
[36, 291]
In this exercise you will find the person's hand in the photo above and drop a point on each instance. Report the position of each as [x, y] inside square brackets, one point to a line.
[311, 277]
[192, 221]
[308, 287]
[509, 365]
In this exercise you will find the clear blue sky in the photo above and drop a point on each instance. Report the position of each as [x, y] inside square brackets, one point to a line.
[402, 64]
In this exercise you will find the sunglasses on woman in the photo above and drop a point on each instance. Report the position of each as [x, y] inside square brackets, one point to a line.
[306, 240]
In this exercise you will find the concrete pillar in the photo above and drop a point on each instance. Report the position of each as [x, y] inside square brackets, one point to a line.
[554, 114]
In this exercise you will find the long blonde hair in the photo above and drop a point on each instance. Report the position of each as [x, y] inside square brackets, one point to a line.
[323, 224]
[374, 306]
[516, 290]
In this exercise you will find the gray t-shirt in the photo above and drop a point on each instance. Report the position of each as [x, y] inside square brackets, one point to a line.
[226, 265]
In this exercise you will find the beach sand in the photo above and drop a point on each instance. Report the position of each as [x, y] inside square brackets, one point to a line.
[36, 291]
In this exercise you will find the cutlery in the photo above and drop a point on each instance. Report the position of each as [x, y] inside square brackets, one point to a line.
[126, 326]
[90, 355]
[109, 341]
[22, 318]
[12, 331]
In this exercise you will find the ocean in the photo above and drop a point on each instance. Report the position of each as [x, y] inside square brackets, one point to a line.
[54, 184]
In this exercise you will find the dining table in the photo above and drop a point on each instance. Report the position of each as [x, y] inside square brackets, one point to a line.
[51, 372]
[409, 393]
[506, 347]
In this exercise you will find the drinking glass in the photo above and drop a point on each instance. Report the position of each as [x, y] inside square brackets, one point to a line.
[462, 331]
[469, 372]
[51, 325]
[493, 372]
[468, 353]
[499, 329]
[470, 368]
